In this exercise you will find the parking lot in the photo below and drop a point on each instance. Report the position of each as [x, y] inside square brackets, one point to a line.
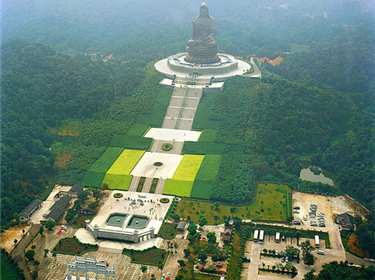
[330, 206]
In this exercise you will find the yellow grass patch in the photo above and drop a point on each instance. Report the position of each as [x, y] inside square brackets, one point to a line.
[126, 162]
[188, 168]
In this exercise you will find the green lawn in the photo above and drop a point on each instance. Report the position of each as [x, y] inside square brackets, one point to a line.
[273, 199]
[206, 177]
[202, 117]
[138, 130]
[117, 181]
[130, 142]
[95, 175]
[208, 135]
[178, 187]
[209, 168]
[160, 106]
[232, 270]
[202, 189]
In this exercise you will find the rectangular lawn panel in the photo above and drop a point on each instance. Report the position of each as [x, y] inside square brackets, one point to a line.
[150, 256]
[178, 188]
[203, 148]
[93, 179]
[209, 168]
[130, 142]
[72, 246]
[95, 175]
[117, 181]
[273, 200]
[138, 129]
[206, 177]
[159, 109]
[202, 189]
[126, 162]
[188, 168]
[167, 231]
[202, 116]
[208, 135]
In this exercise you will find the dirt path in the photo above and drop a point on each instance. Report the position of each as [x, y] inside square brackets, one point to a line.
[10, 234]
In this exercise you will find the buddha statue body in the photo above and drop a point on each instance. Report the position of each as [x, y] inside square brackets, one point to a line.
[202, 47]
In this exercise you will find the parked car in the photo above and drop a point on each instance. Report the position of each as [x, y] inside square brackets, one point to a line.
[320, 252]
[282, 259]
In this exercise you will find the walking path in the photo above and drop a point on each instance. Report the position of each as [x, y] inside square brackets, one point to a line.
[18, 252]
[256, 73]
[176, 129]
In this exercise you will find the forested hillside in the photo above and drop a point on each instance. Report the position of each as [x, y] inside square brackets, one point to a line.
[54, 106]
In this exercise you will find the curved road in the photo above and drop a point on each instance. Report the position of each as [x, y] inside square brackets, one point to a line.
[256, 73]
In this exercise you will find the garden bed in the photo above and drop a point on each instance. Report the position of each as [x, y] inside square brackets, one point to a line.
[154, 185]
[151, 256]
[140, 184]
[167, 231]
[72, 246]
[80, 220]
[167, 147]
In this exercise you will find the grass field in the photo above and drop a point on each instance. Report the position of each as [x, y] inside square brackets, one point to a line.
[231, 273]
[95, 175]
[188, 168]
[275, 206]
[202, 189]
[178, 188]
[203, 148]
[118, 176]
[125, 162]
[208, 135]
[273, 200]
[201, 119]
[206, 177]
[138, 130]
[182, 181]
[130, 142]
[155, 119]
[117, 181]
[189, 208]
[209, 168]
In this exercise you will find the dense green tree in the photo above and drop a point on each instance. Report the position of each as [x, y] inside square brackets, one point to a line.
[211, 237]
[29, 254]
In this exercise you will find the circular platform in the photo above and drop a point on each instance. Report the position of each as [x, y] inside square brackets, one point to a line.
[227, 67]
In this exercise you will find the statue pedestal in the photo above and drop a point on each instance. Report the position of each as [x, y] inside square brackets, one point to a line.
[201, 55]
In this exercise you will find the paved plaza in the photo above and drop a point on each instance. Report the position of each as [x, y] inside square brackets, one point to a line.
[132, 203]
[173, 134]
[146, 167]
